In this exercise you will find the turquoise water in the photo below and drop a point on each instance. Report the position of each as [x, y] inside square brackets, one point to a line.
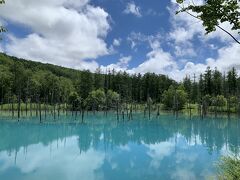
[104, 148]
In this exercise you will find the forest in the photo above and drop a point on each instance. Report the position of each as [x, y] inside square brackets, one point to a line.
[27, 85]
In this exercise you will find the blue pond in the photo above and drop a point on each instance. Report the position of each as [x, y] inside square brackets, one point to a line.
[104, 148]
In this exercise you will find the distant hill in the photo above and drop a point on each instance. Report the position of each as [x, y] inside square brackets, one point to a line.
[29, 78]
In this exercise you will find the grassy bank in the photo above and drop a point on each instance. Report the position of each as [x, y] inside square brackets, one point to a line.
[188, 109]
[229, 168]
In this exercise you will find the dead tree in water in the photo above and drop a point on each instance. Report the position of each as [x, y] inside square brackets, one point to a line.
[83, 115]
[149, 107]
[45, 106]
[175, 104]
[158, 110]
[40, 110]
[190, 110]
[58, 109]
[130, 113]
[19, 104]
[238, 104]
[26, 98]
[12, 107]
[200, 110]
[2, 95]
[83, 107]
[117, 110]
[123, 113]
[145, 111]
[31, 106]
[228, 106]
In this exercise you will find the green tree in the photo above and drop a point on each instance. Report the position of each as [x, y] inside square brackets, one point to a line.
[217, 82]
[66, 87]
[112, 98]
[201, 87]
[85, 84]
[5, 82]
[194, 92]
[219, 101]
[208, 85]
[232, 81]
[214, 12]
[173, 95]
[233, 101]
[75, 100]
[187, 85]
[98, 79]
[96, 99]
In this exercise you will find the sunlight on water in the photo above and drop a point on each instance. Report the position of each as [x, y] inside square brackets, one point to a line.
[103, 148]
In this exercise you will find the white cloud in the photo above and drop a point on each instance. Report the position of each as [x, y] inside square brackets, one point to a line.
[117, 42]
[63, 32]
[162, 62]
[180, 35]
[132, 8]
[184, 29]
[121, 65]
[136, 39]
[227, 58]
[157, 61]
[159, 151]
[66, 160]
[125, 148]
[184, 51]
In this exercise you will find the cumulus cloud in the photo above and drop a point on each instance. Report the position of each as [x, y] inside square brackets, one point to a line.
[132, 8]
[157, 152]
[121, 65]
[184, 29]
[162, 62]
[157, 61]
[117, 42]
[82, 165]
[228, 57]
[63, 32]
[136, 39]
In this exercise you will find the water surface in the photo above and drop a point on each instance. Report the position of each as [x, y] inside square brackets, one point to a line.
[104, 148]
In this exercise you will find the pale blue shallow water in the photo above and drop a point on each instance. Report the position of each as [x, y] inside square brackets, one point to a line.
[103, 148]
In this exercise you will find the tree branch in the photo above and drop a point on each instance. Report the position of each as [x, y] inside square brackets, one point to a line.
[216, 25]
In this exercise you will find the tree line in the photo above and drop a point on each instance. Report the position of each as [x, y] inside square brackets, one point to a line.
[39, 85]
[29, 82]
[214, 89]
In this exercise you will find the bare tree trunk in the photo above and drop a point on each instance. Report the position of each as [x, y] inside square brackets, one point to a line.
[228, 106]
[40, 110]
[158, 110]
[123, 114]
[12, 107]
[117, 111]
[31, 107]
[26, 106]
[82, 115]
[149, 111]
[2, 97]
[45, 107]
[19, 104]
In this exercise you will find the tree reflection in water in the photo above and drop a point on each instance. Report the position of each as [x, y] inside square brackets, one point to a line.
[116, 147]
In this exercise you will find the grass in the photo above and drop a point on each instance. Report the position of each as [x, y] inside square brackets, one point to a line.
[6, 107]
[229, 168]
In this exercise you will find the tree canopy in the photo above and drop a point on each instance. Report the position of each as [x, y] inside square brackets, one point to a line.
[214, 12]
[2, 29]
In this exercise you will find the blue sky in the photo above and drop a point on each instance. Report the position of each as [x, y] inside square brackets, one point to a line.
[135, 36]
